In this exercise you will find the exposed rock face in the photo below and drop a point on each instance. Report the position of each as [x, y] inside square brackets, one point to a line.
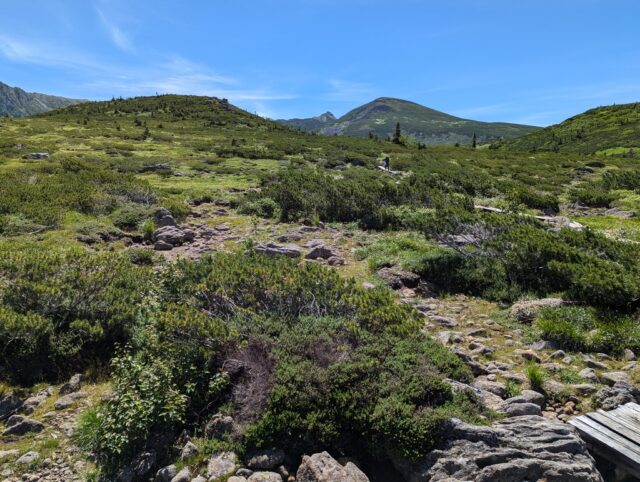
[322, 467]
[273, 249]
[320, 252]
[610, 398]
[519, 449]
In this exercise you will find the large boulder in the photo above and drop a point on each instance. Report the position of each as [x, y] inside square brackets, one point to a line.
[220, 425]
[35, 400]
[265, 477]
[163, 217]
[169, 234]
[518, 449]
[73, 385]
[320, 252]
[274, 249]
[321, 467]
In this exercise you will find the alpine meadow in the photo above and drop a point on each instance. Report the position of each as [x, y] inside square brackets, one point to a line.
[194, 291]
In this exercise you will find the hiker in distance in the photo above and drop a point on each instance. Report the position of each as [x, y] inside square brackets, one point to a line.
[386, 163]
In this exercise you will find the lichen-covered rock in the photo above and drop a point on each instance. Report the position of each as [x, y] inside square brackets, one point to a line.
[19, 425]
[73, 385]
[273, 249]
[265, 477]
[222, 464]
[264, 459]
[9, 404]
[526, 311]
[610, 398]
[397, 278]
[165, 474]
[321, 467]
[519, 449]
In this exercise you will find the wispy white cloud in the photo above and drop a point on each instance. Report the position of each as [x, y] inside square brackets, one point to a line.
[119, 38]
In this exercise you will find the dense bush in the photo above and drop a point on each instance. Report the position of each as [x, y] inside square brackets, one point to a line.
[64, 308]
[594, 195]
[580, 328]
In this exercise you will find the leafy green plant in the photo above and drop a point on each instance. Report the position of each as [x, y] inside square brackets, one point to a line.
[536, 376]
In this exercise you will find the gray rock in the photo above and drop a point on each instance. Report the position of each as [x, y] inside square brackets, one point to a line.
[164, 218]
[335, 261]
[320, 252]
[591, 363]
[169, 234]
[511, 409]
[321, 467]
[236, 478]
[526, 311]
[200, 478]
[584, 389]
[162, 246]
[611, 378]
[221, 465]
[528, 396]
[273, 249]
[28, 458]
[558, 354]
[265, 477]
[219, 425]
[165, 474]
[31, 403]
[37, 155]
[496, 388]
[589, 374]
[19, 425]
[265, 459]
[189, 450]
[183, 476]
[68, 400]
[443, 321]
[73, 385]
[144, 463]
[518, 449]
[397, 278]
[544, 345]
[244, 472]
[9, 404]
[610, 398]
[629, 355]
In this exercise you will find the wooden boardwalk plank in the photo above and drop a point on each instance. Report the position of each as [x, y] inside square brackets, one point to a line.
[618, 425]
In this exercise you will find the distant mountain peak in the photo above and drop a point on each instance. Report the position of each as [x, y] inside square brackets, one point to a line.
[16, 102]
[430, 126]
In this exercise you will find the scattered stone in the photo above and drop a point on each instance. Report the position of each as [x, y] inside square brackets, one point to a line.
[165, 474]
[526, 311]
[496, 388]
[28, 458]
[528, 396]
[589, 374]
[265, 477]
[591, 363]
[321, 467]
[476, 368]
[68, 400]
[619, 213]
[183, 476]
[19, 425]
[629, 355]
[529, 355]
[164, 218]
[517, 409]
[199, 478]
[162, 246]
[335, 261]
[189, 450]
[219, 425]
[73, 385]
[9, 404]
[273, 249]
[235, 478]
[31, 403]
[169, 234]
[447, 337]
[244, 472]
[288, 238]
[558, 354]
[368, 286]
[611, 378]
[478, 332]
[143, 463]
[221, 465]
[584, 389]
[265, 459]
[37, 155]
[443, 321]
[320, 252]
[553, 387]
[544, 345]
[397, 278]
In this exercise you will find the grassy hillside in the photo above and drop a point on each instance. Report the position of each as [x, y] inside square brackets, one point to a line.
[336, 348]
[612, 129]
[429, 126]
[15, 102]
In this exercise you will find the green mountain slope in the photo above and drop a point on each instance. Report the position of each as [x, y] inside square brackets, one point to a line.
[610, 127]
[16, 102]
[313, 124]
[430, 126]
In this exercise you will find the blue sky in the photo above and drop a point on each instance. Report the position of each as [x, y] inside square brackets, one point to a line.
[529, 61]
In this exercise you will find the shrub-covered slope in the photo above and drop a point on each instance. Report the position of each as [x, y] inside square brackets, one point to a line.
[613, 129]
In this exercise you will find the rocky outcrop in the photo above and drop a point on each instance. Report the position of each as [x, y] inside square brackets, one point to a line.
[19, 425]
[265, 459]
[397, 278]
[221, 465]
[163, 217]
[519, 449]
[9, 404]
[73, 385]
[525, 311]
[322, 467]
[610, 398]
